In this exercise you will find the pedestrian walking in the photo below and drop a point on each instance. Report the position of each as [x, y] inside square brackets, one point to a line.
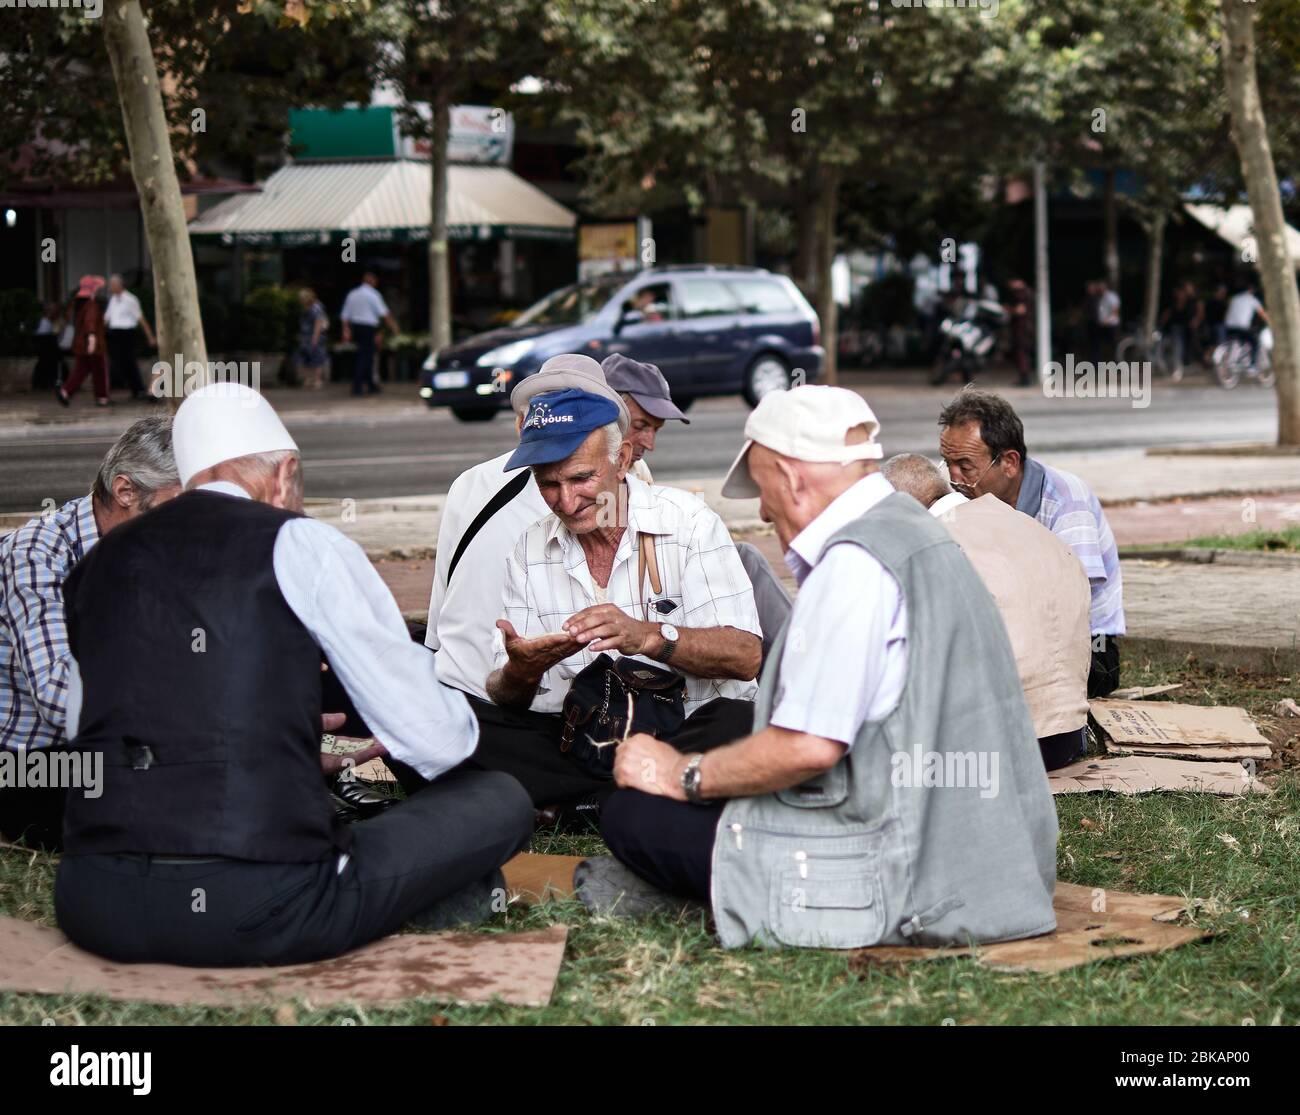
[123, 317]
[88, 343]
[313, 325]
[1019, 299]
[48, 372]
[363, 311]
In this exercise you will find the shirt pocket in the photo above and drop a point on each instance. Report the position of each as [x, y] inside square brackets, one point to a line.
[828, 903]
[828, 789]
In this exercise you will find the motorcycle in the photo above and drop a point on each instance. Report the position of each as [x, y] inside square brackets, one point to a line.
[967, 342]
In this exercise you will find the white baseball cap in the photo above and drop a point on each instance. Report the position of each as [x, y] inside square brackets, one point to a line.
[808, 423]
[222, 421]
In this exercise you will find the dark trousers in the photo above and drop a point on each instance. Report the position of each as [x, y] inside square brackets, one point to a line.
[89, 365]
[49, 362]
[451, 837]
[123, 367]
[364, 369]
[526, 744]
[667, 843]
[33, 815]
[1103, 674]
[1063, 749]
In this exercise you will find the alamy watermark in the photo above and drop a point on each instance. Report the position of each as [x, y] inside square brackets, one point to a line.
[1106, 379]
[946, 770]
[179, 378]
[52, 768]
[92, 9]
[988, 9]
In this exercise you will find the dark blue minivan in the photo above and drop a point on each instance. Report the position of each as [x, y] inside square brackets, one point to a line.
[712, 330]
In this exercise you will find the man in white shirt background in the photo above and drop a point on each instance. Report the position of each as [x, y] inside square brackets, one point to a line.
[364, 310]
[1239, 320]
[121, 319]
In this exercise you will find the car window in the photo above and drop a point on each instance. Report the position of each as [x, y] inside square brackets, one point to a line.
[705, 297]
[653, 303]
[572, 305]
[760, 296]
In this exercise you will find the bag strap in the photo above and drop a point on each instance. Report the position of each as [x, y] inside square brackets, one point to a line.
[512, 488]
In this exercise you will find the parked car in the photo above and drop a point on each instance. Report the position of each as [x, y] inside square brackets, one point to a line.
[712, 330]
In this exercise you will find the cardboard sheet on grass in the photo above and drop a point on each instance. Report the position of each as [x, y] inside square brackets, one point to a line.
[518, 968]
[1131, 925]
[1169, 730]
[1140, 774]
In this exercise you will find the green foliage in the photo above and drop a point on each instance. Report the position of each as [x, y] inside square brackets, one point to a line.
[20, 312]
[268, 320]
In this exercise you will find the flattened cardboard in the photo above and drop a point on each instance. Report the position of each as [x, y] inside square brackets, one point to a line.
[517, 968]
[1162, 728]
[532, 879]
[1141, 774]
[1140, 692]
[1129, 925]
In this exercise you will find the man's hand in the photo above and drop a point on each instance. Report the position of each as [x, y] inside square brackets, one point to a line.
[531, 658]
[614, 629]
[644, 763]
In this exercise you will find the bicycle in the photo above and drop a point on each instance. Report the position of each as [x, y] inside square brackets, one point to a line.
[1231, 361]
[1160, 349]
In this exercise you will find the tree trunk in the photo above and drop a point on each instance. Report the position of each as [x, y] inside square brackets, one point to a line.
[1111, 248]
[805, 252]
[176, 292]
[1155, 229]
[1276, 267]
[828, 195]
[439, 262]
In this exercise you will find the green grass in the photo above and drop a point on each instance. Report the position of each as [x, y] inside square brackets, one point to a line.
[1237, 855]
[1283, 541]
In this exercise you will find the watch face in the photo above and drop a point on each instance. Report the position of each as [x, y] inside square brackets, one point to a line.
[668, 631]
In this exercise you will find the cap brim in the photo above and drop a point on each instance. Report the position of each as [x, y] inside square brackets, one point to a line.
[546, 451]
[659, 407]
[739, 484]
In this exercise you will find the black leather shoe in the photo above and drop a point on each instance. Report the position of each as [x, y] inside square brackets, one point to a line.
[580, 817]
[361, 798]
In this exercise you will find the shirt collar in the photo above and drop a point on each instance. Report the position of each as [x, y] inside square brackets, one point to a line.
[225, 487]
[944, 503]
[644, 516]
[1031, 488]
[806, 547]
[87, 527]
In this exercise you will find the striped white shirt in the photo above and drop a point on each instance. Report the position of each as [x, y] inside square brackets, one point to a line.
[702, 580]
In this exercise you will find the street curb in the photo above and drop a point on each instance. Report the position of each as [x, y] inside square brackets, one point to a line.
[1233, 449]
[1196, 555]
[1227, 656]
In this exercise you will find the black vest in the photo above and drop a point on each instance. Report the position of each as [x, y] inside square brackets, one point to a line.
[201, 688]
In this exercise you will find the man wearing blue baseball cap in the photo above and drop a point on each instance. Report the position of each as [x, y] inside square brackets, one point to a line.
[618, 567]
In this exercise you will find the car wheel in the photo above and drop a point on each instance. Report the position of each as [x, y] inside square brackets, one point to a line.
[475, 414]
[766, 374]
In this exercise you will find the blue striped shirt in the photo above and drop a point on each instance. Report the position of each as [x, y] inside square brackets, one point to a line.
[34, 657]
[1067, 507]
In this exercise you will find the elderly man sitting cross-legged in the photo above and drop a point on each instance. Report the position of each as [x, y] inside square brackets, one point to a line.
[618, 567]
[892, 792]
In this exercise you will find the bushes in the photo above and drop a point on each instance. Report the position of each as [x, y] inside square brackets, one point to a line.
[20, 311]
[268, 320]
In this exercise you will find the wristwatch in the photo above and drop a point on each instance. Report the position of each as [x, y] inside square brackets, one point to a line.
[670, 635]
[691, 780]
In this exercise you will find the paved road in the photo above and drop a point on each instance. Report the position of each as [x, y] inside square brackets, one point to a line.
[396, 448]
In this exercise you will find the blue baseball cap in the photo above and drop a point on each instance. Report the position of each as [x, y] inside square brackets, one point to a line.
[557, 423]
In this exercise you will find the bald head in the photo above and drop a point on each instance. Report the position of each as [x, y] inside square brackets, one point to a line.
[919, 477]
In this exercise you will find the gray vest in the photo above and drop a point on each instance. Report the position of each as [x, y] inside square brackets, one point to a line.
[938, 826]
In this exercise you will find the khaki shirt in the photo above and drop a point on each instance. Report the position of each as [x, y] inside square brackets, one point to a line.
[1043, 595]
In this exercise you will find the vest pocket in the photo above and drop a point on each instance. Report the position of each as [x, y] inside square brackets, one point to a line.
[827, 789]
[828, 904]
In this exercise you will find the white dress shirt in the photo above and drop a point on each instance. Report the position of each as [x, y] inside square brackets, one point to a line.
[845, 656]
[330, 585]
[703, 584]
[364, 305]
[1241, 310]
[462, 618]
[123, 311]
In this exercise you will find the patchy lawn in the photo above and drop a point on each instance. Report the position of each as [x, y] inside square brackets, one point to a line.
[1239, 856]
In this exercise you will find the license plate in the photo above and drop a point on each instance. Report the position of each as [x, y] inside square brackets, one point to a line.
[445, 380]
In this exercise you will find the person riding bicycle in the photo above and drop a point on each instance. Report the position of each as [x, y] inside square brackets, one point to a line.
[1242, 311]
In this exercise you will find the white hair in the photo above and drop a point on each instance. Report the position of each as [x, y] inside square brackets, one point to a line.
[614, 440]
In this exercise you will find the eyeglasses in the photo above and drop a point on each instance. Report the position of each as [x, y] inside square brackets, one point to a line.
[967, 488]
